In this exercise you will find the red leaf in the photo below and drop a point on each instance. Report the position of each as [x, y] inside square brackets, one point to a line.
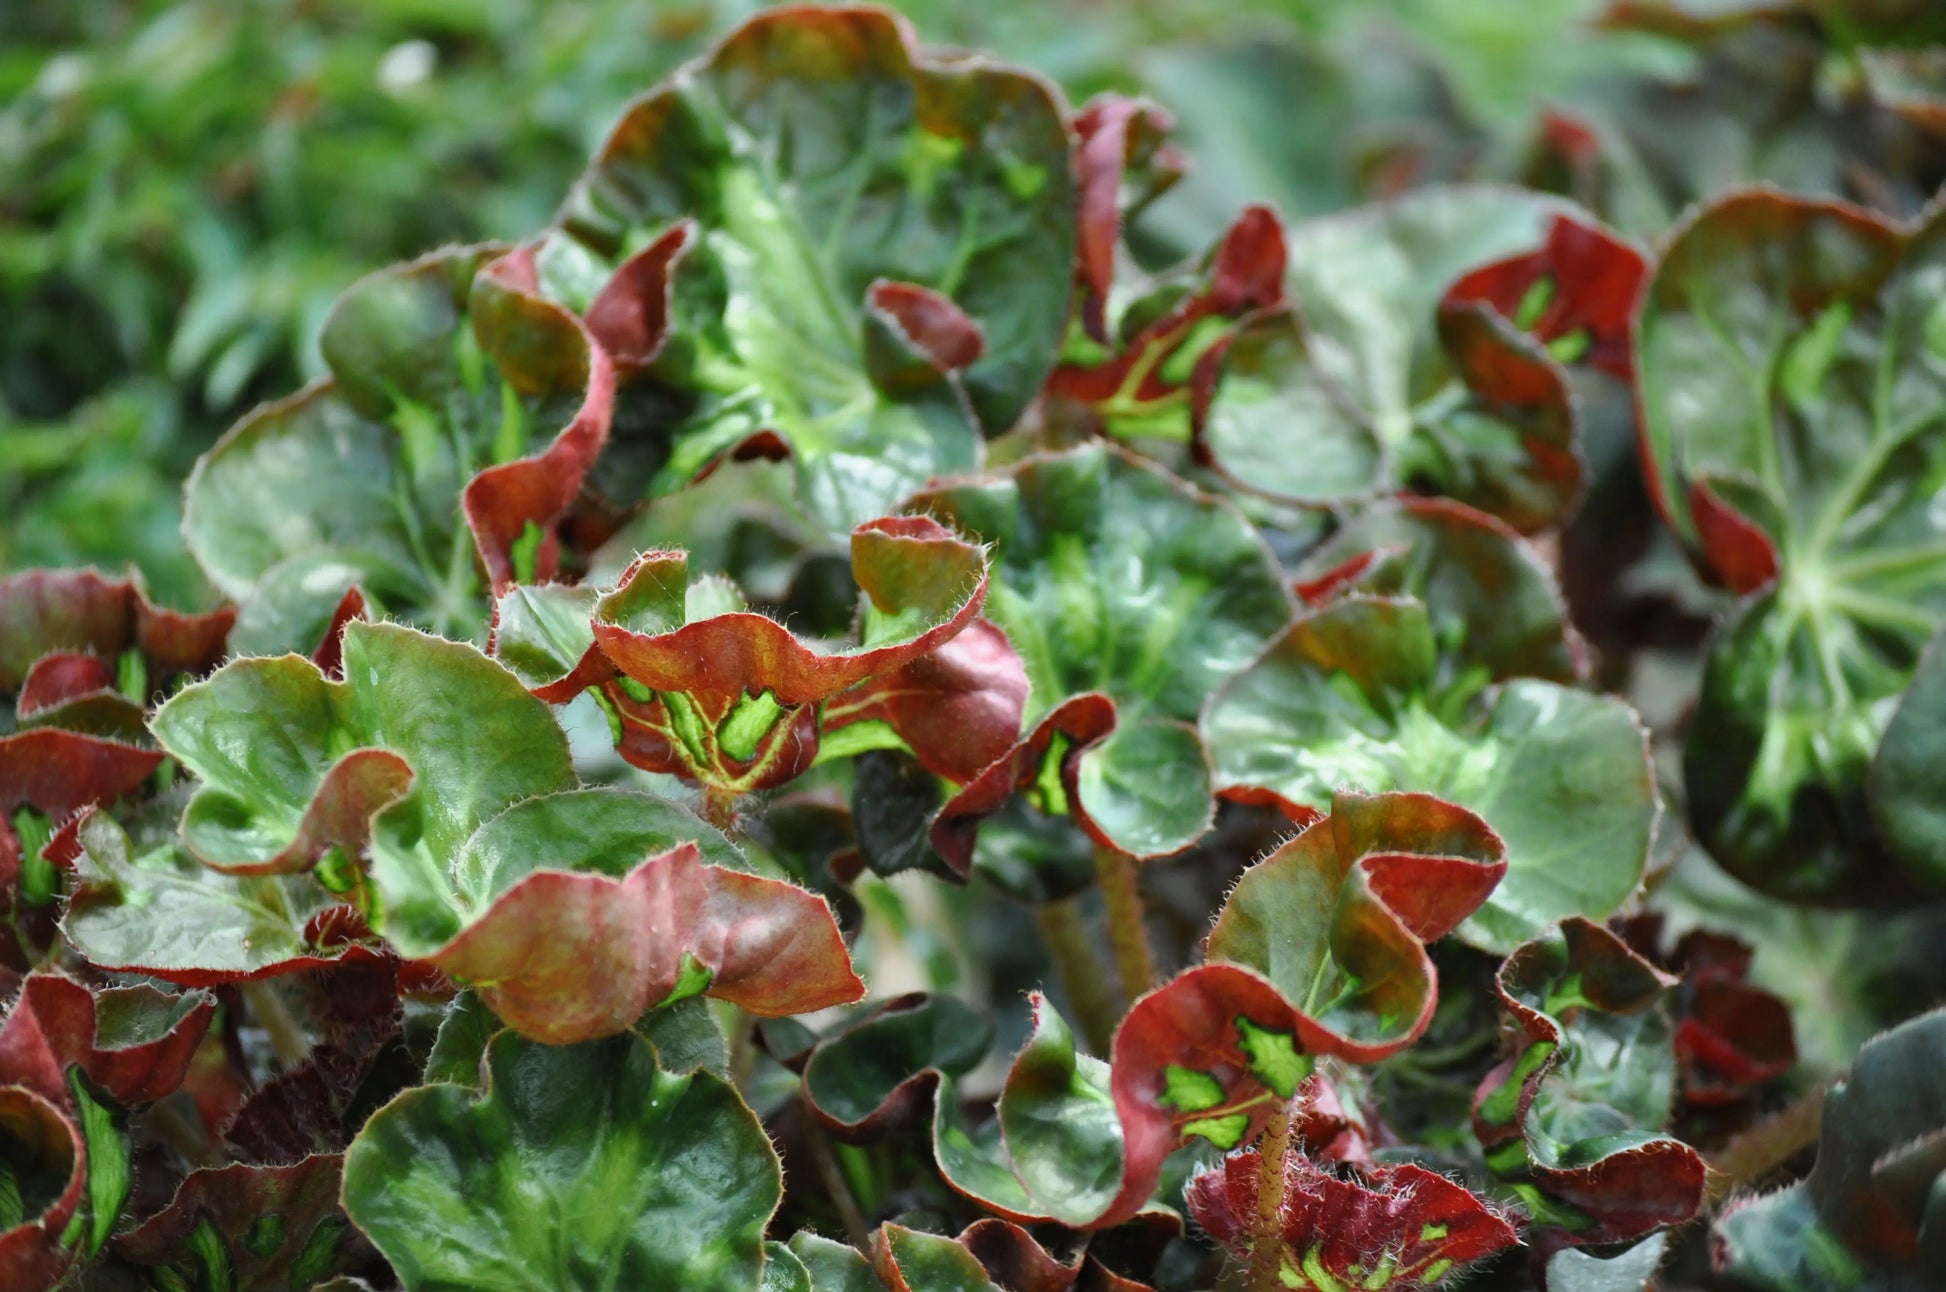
[61, 676]
[1114, 134]
[1082, 721]
[59, 772]
[42, 611]
[39, 1135]
[54, 1023]
[630, 315]
[303, 1196]
[572, 957]
[897, 560]
[1399, 1227]
[1594, 277]
[932, 324]
[959, 707]
[330, 654]
[502, 501]
[1737, 549]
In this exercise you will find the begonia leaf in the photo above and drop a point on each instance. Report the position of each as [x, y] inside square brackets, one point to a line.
[703, 688]
[293, 764]
[1574, 1119]
[43, 612]
[1316, 953]
[471, 869]
[1051, 1151]
[1154, 376]
[135, 1043]
[1792, 381]
[1392, 1227]
[1576, 294]
[1123, 162]
[834, 1267]
[882, 1070]
[1337, 918]
[1731, 1035]
[627, 1175]
[1132, 596]
[1375, 381]
[825, 239]
[250, 1226]
[911, 1261]
[1059, 1124]
[957, 708]
[461, 410]
[565, 956]
[43, 1175]
[143, 904]
[1868, 1215]
[1350, 697]
[85, 1058]
[1492, 600]
[1906, 785]
[59, 772]
[1632, 1270]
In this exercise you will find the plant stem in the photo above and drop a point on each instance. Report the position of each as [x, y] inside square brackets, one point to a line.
[1763, 1148]
[832, 1177]
[286, 1037]
[1127, 931]
[1267, 1243]
[1095, 1006]
[720, 810]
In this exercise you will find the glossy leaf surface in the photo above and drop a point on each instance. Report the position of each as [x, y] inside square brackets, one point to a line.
[1351, 697]
[864, 254]
[1575, 1118]
[461, 409]
[1374, 382]
[1114, 580]
[579, 1164]
[1868, 1214]
[1793, 390]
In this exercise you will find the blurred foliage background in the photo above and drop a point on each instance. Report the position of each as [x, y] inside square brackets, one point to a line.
[186, 184]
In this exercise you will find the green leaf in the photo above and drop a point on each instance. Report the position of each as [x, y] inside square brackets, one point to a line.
[820, 200]
[145, 905]
[442, 370]
[881, 1070]
[1569, 1270]
[1908, 794]
[460, 1045]
[834, 1267]
[1350, 697]
[1868, 1215]
[583, 1166]
[1492, 600]
[1573, 1122]
[293, 763]
[1113, 578]
[1337, 920]
[1059, 1123]
[1794, 414]
[1380, 384]
[111, 1173]
[910, 1261]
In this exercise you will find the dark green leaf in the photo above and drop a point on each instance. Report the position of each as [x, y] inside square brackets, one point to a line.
[1350, 697]
[836, 197]
[622, 1172]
